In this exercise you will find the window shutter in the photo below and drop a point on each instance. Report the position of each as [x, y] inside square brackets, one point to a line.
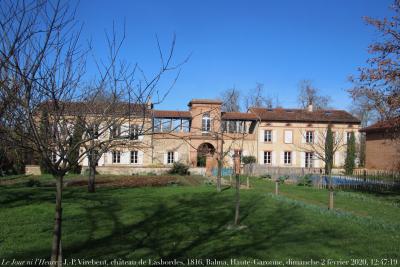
[274, 136]
[245, 153]
[140, 137]
[140, 157]
[125, 130]
[176, 156]
[282, 156]
[125, 157]
[101, 160]
[273, 158]
[303, 137]
[303, 159]
[316, 136]
[85, 161]
[294, 163]
[165, 158]
[261, 136]
[261, 157]
[316, 161]
[230, 157]
[345, 138]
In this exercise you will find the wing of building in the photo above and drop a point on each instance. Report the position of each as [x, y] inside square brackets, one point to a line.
[199, 136]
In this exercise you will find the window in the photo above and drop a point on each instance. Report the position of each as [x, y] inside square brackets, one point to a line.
[309, 160]
[54, 157]
[116, 157]
[134, 132]
[288, 137]
[268, 136]
[134, 157]
[185, 125]
[310, 137]
[287, 158]
[115, 131]
[157, 125]
[267, 157]
[170, 157]
[348, 136]
[93, 131]
[206, 123]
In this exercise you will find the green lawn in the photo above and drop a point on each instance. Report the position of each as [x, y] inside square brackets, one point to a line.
[181, 222]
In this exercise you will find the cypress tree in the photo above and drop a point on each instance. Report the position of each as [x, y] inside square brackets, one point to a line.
[73, 158]
[44, 132]
[329, 150]
[350, 155]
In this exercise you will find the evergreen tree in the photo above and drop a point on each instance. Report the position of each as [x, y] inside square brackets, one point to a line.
[73, 158]
[329, 150]
[44, 132]
[351, 154]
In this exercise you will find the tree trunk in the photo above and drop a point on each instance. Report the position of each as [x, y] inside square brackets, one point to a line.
[330, 207]
[56, 246]
[219, 175]
[92, 178]
[237, 200]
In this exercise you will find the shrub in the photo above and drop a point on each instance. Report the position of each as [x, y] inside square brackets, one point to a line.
[283, 178]
[248, 160]
[33, 182]
[179, 168]
[305, 180]
[266, 176]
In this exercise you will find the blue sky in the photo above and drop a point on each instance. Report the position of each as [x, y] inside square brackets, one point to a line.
[239, 43]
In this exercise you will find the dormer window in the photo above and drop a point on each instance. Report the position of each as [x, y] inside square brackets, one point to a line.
[206, 123]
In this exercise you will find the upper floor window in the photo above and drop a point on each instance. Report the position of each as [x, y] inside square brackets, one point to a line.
[206, 123]
[268, 136]
[116, 131]
[348, 136]
[134, 132]
[310, 137]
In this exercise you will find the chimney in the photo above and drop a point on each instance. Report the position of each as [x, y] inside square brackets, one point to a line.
[310, 107]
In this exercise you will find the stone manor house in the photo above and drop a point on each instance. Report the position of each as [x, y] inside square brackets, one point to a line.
[275, 137]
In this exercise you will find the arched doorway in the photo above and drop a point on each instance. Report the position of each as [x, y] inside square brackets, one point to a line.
[203, 151]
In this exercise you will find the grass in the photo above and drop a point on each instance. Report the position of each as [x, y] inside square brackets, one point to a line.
[182, 222]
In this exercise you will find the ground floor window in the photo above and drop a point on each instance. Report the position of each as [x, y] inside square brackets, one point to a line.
[267, 157]
[170, 157]
[116, 156]
[309, 160]
[134, 157]
[287, 159]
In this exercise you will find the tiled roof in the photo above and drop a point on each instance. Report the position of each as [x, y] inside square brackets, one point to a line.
[205, 101]
[238, 116]
[302, 115]
[171, 114]
[85, 108]
[382, 126]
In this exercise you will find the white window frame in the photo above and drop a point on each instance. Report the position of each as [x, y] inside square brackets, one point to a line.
[170, 157]
[267, 157]
[116, 156]
[309, 160]
[268, 136]
[287, 157]
[206, 123]
[309, 137]
[134, 157]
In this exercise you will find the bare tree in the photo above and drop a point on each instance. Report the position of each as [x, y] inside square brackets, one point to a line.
[231, 100]
[256, 98]
[41, 68]
[309, 94]
[378, 82]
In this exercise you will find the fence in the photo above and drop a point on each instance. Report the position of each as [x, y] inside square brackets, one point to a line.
[360, 180]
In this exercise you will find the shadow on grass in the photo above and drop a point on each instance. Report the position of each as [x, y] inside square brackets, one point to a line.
[185, 226]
